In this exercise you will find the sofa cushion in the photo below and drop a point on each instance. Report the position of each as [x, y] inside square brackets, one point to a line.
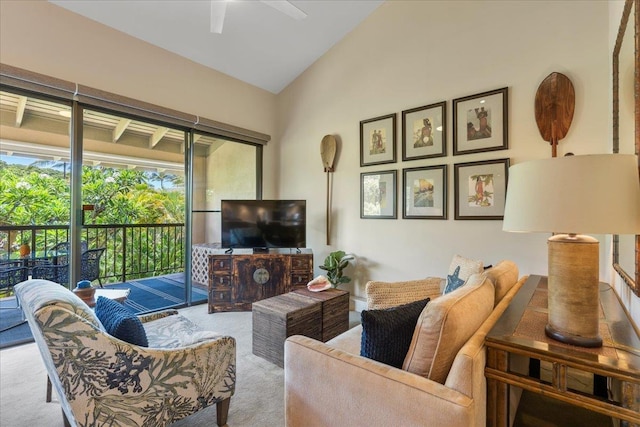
[445, 325]
[176, 331]
[120, 322]
[467, 266]
[387, 333]
[504, 275]
[381, 295]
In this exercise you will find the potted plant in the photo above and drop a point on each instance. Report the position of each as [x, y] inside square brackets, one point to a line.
[334, 263]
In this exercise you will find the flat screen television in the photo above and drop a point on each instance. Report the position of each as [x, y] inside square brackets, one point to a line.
[262, 224]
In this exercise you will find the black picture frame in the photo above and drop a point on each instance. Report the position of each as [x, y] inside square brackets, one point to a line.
[378, 195]
[424, 192]
[378, 140]
[481, 122]
[424, 132]
[481, 189]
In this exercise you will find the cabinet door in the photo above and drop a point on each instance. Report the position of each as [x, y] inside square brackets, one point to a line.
[258, 277]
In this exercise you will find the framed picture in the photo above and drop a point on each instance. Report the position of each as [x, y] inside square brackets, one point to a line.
[481, 189]
[424, 192]
[378, 140]
[480, 122]
[378, 197]
[424, 132]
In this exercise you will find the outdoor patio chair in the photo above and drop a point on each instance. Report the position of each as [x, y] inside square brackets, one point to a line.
[12, 273]
[63, 247]
[58, 273]
[91, 265]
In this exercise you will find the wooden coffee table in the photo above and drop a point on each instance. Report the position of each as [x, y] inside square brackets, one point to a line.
[318, 315]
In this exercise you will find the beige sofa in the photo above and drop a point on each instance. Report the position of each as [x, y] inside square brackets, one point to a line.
[442, 382]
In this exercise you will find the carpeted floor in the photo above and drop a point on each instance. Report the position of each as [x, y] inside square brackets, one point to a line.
[258, 401]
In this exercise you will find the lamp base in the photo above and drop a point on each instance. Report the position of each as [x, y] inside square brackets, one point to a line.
[574, 300]
[568, 338]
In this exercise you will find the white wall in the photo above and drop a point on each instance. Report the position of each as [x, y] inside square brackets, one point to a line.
[409, 54]
[41, 37]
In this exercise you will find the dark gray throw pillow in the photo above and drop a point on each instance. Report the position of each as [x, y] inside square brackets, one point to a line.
[387, 334]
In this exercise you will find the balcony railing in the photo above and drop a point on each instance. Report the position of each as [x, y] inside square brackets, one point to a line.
[132, 251]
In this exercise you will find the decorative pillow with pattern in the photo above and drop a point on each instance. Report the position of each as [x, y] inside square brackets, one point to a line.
[453, 281]
[120, 322]
[467, 266]
[387, 333]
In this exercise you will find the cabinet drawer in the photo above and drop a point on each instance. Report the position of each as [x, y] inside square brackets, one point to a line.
[300, 262]
[220, 263]
[300, 279]
[218, 280]
[220, 295]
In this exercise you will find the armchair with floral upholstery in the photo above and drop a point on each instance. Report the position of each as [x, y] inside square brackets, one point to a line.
[102, 380]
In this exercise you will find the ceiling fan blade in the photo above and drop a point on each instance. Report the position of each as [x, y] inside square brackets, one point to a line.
[218, 10]
[287, 8]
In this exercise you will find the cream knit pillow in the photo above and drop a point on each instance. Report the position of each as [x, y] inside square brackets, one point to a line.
[381, 295]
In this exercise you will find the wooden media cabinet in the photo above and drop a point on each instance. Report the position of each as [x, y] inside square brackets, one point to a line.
[242, 277]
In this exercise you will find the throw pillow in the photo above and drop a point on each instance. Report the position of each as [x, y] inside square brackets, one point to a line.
[387, 333]
[467, 266]
[453, 281]
[382, 295]
[120, 322]
[445, 325]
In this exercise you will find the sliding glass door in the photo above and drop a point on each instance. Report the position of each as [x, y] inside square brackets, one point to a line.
[221, 169]
[34, 176]
[135, 187]
[133, 199]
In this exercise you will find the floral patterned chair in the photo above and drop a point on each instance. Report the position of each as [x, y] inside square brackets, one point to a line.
[102, 380]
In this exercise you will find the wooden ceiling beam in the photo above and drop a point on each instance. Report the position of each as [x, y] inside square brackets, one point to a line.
[20, 108]
[120, 128]
[157, 136]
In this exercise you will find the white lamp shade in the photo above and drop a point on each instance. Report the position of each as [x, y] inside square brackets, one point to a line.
[588, 194]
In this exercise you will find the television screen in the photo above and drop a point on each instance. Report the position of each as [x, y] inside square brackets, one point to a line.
[263, 223]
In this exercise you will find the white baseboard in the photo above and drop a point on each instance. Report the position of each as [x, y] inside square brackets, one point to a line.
[358, 304]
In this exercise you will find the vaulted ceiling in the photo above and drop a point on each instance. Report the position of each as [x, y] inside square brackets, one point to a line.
[260, 43]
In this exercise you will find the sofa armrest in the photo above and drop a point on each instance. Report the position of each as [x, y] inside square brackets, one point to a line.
[326, 386]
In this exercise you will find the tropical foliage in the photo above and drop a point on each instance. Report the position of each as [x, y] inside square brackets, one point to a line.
[39, 194]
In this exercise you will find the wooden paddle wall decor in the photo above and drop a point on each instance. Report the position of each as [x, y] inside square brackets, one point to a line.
[554, 106]
[328, 148]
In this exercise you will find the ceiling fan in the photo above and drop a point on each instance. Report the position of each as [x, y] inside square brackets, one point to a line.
[219, 8]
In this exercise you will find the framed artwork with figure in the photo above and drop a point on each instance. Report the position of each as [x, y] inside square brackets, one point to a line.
[378, 140]
[424, 133]
[378, 195]
[480, 189]
[480, 122]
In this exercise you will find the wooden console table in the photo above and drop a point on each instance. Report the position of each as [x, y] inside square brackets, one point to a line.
[238, 279]
[520, 331]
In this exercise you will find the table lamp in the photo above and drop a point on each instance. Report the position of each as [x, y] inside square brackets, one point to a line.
[595, 194]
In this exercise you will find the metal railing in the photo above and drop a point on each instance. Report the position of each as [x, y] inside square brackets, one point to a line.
[132, 251]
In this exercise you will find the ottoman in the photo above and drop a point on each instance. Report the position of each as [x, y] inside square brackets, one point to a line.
[279, 317]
